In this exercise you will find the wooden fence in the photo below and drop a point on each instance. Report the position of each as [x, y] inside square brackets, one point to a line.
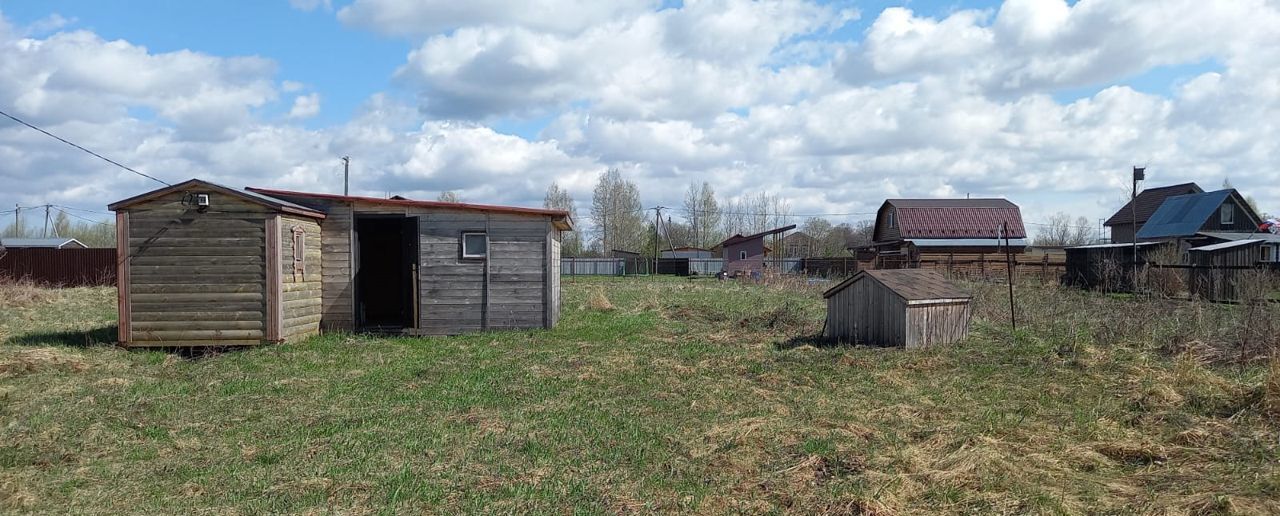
[988, 267]
[60, 267]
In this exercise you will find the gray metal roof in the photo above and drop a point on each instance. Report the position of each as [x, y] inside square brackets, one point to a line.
[1227, 245]
[52, 243]
[1224, 235]
[1112, 246]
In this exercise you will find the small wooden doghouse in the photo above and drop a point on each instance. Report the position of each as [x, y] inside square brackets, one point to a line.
[206, 265]
[912, 308]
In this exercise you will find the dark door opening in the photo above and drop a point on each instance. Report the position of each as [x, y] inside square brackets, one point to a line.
[385, 271]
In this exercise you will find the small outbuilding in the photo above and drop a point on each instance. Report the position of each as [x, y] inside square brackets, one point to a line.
[1218, 270]
[207, 265]
[913, 308]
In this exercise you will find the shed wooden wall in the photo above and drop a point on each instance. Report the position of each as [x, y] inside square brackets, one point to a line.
[553, 278]
[337, 292]
[867, 313]
[754, 260]
[196, 278]
[932, 324]
[506, 291]
[301, 294]
[1221, 284]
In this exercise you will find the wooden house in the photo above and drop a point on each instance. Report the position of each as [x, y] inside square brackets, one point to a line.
[910, 227]
[898, 307]
[1183, 218]
[746, 254]
[207, 265]
[1130, 218]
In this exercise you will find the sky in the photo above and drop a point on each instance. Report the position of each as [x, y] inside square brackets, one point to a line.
[834, 106]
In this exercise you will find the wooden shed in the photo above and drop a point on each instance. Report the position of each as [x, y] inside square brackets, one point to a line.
[1218, 269]
[207, 265]
[898, 307]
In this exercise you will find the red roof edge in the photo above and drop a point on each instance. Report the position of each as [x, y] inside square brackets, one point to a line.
[562, 215]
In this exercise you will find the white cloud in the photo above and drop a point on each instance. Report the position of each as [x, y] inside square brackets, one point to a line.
[750, 96]
[305, 106]
[423, 17]
[311, 5]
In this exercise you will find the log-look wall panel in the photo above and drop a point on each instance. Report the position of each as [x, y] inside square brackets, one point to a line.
[302, 300]
[196, 278]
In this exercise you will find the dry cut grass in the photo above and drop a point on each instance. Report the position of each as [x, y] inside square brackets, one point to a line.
[657, 395]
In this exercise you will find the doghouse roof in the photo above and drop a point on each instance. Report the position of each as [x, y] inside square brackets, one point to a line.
[254, 197]
[560, 218]
[910, 284]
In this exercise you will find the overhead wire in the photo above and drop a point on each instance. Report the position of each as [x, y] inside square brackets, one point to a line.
[73, 144]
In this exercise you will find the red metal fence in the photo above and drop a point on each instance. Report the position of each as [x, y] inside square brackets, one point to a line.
[60, 267]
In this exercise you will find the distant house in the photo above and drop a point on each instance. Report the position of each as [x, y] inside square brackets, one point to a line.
[1122, 223]
[801, 245]
[41, 243]
[686, 252]
[1190, 219]
[619, 253]
[911, 226]
[746, 254]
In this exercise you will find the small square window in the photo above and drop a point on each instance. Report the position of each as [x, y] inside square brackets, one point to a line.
[475, 245]
[1228, 214]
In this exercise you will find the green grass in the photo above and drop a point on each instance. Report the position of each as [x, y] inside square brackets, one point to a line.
[687, 396]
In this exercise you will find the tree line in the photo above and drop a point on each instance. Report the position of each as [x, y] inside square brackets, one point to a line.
[619, 222]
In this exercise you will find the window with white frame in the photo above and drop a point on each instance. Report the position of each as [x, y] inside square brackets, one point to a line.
[1227, 214]
[891, 218]
[742, 255]
[475, 245]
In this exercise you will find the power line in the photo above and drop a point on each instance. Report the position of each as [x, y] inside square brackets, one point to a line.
[99, 156]
[86, 219]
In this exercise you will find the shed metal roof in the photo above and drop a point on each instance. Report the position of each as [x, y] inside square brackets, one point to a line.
[1113, 246]
[1227, 245]
[1228, 235]
[739, 238]
[910, 284]
[1148, 201]
[1184, 215]
[561, 217]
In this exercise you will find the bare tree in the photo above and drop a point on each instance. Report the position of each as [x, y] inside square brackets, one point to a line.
[448, 196]
[559, 199]
[616, 211]
[1062, 231]
[703, 213]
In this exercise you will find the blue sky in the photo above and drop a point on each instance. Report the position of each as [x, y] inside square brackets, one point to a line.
[1044, 101]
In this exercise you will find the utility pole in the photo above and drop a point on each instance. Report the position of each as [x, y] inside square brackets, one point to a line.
[16, 210]
[45, 233]
[346, 175]
[1139, 173]
[657, 220]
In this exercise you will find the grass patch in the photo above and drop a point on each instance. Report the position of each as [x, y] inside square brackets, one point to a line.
[681, 396]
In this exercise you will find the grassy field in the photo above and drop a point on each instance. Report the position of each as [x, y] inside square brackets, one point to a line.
[654, 395]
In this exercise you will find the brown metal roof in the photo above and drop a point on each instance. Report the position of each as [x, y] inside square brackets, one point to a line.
[246, 194]
[956, 218]
[1149, 201]
[910, 284]
[739, 238]
[560, 216]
